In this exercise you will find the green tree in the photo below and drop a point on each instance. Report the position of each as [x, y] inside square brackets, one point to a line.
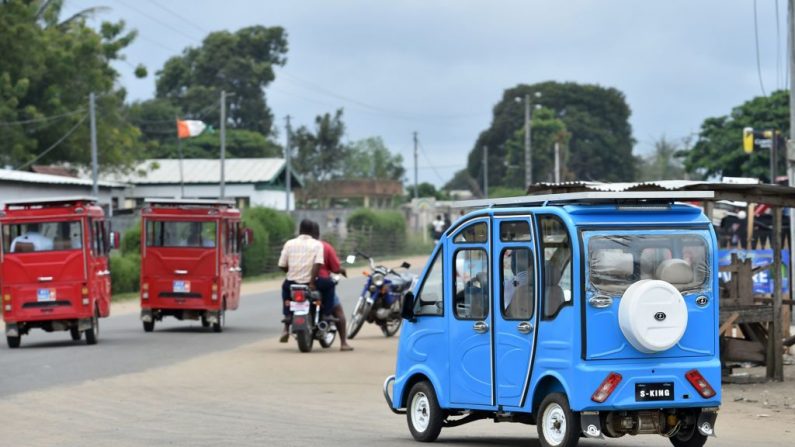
[320, 154]
[596, 122]
[47, 70]
[241, 63]
[425, 189]
[662, 164]
[719, 146]
[370, 158]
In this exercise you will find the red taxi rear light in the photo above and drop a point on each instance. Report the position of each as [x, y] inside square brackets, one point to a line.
[700, 383]
[298, 296]
[607, 387]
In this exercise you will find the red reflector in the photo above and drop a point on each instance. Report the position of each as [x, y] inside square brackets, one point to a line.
[700, 383]
[298, 295]
[299, 320]
[606, 388]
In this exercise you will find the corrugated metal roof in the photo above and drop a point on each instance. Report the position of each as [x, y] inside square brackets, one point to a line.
[202, 170]
[9, 175]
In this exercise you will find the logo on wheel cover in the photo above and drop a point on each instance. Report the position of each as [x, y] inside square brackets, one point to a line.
[659, 316]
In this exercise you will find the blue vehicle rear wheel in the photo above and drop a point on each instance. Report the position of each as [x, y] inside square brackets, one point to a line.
[688, 438]
[557, 425]
[423, 413]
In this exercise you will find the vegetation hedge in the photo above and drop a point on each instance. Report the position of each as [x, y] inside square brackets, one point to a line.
[377, 232]
[271, 229]
[126, 272]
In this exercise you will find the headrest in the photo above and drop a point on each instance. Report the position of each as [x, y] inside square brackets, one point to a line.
[613, 263]
[675, 271]
[24, 247]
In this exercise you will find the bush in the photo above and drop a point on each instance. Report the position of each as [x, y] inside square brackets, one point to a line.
[131, 241]
[255, 254]
[377, 233]
[126, 273]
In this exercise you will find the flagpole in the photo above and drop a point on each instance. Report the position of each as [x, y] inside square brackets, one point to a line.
[179, 151]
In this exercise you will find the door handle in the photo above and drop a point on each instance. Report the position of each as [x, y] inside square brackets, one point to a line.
[45, 278]
[103, 273]
[524, 327]
[600, 301]
[180, 272]
[480, 327]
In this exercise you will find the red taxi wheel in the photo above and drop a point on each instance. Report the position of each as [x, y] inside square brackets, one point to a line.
[205, 322]
[13, 341]
[75, 333]
[423, 414]
[557, 425]
[149, 326]
[219, 326]
[92, 333]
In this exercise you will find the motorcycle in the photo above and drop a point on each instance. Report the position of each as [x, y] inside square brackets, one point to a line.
[381, 300]
[307, 325]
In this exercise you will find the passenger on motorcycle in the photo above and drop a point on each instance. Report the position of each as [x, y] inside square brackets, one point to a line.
[301, 258]
[331, 264]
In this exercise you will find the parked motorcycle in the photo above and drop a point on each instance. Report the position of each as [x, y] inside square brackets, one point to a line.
[381, 300]
[307, 324]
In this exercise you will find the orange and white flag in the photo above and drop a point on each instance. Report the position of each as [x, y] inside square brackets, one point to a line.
[189, 128]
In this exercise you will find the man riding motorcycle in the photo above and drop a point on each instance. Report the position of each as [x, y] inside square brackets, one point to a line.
[301, 259]
[331, 264]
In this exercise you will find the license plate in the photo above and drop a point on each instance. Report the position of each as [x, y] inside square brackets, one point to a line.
[45, 295]
[181, 286]
[299, 306]
[645, 392]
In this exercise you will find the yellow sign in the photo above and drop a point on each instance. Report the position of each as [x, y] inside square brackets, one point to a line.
[748, 140]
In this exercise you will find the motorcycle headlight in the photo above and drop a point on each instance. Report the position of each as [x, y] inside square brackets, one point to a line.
[378, 279]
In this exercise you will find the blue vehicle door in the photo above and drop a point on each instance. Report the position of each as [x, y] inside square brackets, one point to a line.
[514, 303]
[470, 314]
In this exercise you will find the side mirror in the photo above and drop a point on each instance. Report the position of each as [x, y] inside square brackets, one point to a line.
[350, 259]
[408, 306]
[405, 265]
[115, 240]
[247, 237]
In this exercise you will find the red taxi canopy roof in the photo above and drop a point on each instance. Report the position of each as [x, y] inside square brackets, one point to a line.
[50, 202]
[218, 203]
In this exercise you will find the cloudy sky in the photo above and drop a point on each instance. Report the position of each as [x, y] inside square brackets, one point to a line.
[438, 67]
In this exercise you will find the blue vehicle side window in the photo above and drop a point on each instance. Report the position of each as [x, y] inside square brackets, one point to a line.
[430, 299]
[471, 299]
[557, 271]
[476, 233]
[518, 283]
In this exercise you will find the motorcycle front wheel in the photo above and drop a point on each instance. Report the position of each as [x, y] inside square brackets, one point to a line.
[391, 326]
[305, 341]
[360, 313]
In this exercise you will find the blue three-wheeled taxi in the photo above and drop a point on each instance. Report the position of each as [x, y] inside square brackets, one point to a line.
[587, 314]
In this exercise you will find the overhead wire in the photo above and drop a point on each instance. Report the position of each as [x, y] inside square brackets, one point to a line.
[758, 58]
[427, 160]
[43, 119]
[54, 145]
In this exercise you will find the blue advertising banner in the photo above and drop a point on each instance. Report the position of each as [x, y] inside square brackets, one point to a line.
[763, 281]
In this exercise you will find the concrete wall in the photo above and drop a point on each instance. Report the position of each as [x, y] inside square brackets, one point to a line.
[10, 191]
[330, 220]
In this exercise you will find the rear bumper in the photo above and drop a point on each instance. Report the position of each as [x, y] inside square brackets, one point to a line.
[591, 374]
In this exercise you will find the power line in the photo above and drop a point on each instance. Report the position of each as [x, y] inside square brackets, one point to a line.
[430, 165]
[42, 120]
[758, 60]
[60, 140]
[180, 17]
[157, 20]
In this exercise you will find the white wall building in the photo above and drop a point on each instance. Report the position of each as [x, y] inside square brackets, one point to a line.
[21, 185]
[248, 181]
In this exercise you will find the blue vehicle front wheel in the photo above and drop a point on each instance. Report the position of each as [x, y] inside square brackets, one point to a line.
[423, 413]
[557, 425]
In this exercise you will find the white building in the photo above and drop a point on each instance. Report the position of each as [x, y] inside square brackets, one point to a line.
[21, 185]
[249, 181]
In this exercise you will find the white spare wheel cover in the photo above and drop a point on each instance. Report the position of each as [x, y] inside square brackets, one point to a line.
[652, 315]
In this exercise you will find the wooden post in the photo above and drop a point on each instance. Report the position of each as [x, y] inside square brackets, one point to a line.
[775, 361]
[749, 237]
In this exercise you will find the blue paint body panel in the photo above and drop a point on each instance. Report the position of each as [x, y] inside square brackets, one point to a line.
[572, 351]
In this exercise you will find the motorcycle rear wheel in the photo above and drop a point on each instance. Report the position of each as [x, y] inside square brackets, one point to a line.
[357, 318]
[305, 341]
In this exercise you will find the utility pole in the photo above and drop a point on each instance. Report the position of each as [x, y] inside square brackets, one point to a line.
[416, 191]
[557, 162]
[791, 142]
[94, 168]
[528, 157]
[223, 143]
[486, 172]
[288, 170]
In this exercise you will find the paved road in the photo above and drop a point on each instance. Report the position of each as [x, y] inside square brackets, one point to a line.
[53, 359]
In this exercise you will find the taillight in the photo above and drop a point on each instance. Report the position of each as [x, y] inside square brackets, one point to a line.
[84, 293]
[214, 294]
[145, 291]
[7, 302]
[606, 388]
[700, 383]
[298, 296]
